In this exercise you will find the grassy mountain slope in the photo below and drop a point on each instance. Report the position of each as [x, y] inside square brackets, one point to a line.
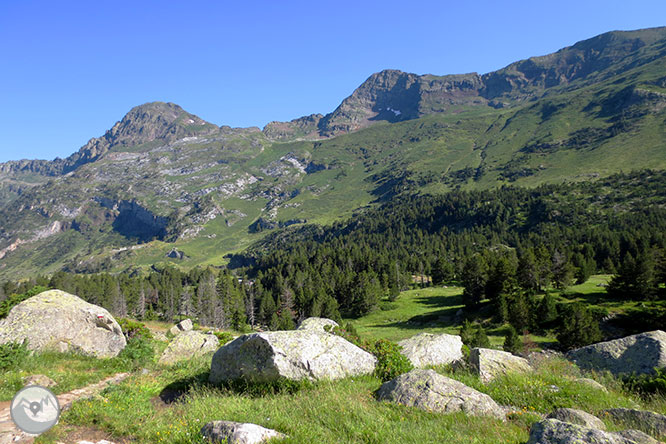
[163, 178]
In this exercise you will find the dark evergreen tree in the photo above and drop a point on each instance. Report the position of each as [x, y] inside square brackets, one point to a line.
[512, 341]
[577, 326]
[474, 278]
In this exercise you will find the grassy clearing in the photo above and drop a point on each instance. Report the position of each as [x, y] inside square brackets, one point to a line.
[431, 310]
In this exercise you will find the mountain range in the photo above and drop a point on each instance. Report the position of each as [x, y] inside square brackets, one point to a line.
[163, 185]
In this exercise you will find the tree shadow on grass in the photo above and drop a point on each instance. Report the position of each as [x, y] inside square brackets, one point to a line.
[177, 390]
[439, 301]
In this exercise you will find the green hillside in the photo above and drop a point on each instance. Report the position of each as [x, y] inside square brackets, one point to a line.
[130, 197]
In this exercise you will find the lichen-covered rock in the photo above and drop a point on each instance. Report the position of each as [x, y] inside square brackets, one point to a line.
[489, 363]
[184, 325]
[592, 383]
[640, 353]
[294, 354]
[230, 432]
[427, 349]
[42, 380]
[579, 417]
[648, 422]
[552, 431]
[317, 324]
[187, 345]
[56, 320]
[428, 390]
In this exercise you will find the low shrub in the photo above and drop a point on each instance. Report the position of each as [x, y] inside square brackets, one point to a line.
[390, 362]
[132, 328]
[13, 354]
[654, 384]
[138, 352]
[223, 336]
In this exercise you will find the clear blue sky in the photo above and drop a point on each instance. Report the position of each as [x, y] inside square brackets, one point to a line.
[70, 69]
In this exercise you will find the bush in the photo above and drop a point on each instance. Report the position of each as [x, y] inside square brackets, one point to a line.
[138, 352]
[223, 336]
[390, 362]
[647, 384]
[13, 354]
[349, 333]
[15, 299]
[132, 328]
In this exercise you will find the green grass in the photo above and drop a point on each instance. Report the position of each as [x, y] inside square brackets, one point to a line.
[432, 310]
[329, 412]
[69, 371]
[332, 411]
[429, 309]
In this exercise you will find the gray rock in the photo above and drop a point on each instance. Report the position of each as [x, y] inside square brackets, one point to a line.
[592, 383]
[639, 353]
[159, 336]
[579, 417]
[428, 390]
[427, 349]
[638, 437]
[489, 363]
[295, 355]
[238, 433]
[552, 431]
[42, 380]
[56, 320]
[184, 325]
[648, 422]
[317, 324]
[187, 345]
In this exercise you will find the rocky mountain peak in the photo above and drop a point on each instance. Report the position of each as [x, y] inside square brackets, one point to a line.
[150, 122]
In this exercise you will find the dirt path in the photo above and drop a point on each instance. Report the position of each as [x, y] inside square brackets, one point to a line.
[9, 433]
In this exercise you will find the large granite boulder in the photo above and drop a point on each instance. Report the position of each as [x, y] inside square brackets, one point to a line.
[184, 325]
[56, 320]
[489, 363]
[238, 433]
[428, 390]
[187, 345]
[317, 324]
[294, 354]
[639, 353]
[579, 417]
[645, 421]
[427, 349]
[552, 431]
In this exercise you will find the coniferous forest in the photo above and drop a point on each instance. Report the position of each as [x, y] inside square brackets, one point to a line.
[506, 247]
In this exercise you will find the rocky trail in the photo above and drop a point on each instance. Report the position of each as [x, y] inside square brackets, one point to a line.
[9, 433]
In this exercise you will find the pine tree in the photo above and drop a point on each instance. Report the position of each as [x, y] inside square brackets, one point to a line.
[474, 278]
[547, 311]
[577, 327]
[467, 333]
[512, 342]
[480, 338]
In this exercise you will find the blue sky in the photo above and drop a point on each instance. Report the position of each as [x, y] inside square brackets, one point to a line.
[70, 69]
